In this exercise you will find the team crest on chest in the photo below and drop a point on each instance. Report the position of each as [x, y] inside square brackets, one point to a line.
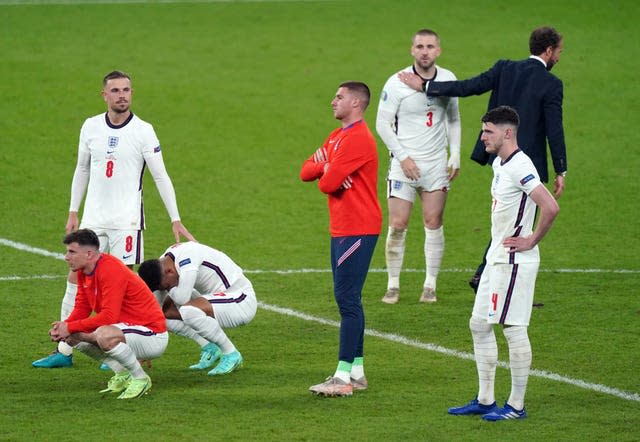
[496, 180]
[112, 143]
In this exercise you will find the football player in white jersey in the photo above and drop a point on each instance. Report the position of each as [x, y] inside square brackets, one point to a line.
[202, 291]
[114, 149]
[417, 131]
[506, 289]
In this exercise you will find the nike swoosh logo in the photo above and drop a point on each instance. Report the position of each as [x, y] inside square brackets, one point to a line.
[127, 256]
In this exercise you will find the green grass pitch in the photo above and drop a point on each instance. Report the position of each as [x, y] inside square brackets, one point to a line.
[239, 94]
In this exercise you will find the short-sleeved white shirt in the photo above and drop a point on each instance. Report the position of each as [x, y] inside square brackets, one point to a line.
[216, 272]
[420, 120]
[114, 193]
[512, 210]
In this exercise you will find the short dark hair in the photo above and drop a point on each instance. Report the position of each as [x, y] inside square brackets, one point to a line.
[502, 115]
[151, 273]
[114, 74]
[360, 89]
[425, 32]
[83, 237]
[543, 37]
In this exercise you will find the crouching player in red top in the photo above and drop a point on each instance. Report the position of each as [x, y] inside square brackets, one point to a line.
[346, 167]
[128, 324]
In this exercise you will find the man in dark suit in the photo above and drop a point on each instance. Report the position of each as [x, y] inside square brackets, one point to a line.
[536, 94]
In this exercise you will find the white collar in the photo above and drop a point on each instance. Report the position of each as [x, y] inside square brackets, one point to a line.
[539, 59]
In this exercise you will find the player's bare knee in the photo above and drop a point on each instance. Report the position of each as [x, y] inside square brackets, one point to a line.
[203, 304]
[433, 222]
[108, 336]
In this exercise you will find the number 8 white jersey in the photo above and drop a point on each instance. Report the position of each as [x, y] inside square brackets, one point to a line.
[116, 158]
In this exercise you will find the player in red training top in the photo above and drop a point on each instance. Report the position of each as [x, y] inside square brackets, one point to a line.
[128, 324]
[346, 167]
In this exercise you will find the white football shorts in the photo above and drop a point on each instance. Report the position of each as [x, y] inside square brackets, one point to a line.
[233, 310]
[433, 176]
[145, 343]
[126, 245]
[505, 293]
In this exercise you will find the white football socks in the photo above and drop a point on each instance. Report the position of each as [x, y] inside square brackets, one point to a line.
[394, 254]
[127, 358]
[68, 302]
[433, 251]
[357, 368]
[519, 363]
[207, 327]
[180, 328]
[343, 371]
[94, 352]
[485, 350]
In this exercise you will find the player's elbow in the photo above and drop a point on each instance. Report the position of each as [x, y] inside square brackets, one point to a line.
[327, 187]
[323, 187]
[553, 209]
[305, 176]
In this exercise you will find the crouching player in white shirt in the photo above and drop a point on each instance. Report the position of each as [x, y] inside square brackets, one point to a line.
[202, 291]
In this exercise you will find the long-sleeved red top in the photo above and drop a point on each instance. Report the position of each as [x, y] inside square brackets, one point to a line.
[115, 294]
[351, 152]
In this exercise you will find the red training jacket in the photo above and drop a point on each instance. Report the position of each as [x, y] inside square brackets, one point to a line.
[351, 151]
[116, 294]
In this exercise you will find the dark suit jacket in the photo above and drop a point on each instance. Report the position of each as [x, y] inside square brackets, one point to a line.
[534, 92]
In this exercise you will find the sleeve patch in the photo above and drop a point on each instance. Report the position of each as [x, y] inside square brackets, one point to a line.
[526, 179]
[184, 262]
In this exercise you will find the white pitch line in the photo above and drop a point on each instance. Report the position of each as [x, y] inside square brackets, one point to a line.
[43, 252]
[458, 354]
[30, 249]
[29, 278]
[369, 332]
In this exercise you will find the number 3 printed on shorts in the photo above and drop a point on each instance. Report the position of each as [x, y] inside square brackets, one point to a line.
[429, 122]
[109, 171]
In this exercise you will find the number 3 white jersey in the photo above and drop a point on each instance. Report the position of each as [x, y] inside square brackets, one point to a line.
[114, 159]
[419, 122]
[512, 210]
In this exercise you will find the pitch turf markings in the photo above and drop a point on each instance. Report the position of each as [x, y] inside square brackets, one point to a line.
[31, 277]
[454, 353]
[43, 252]
[630, 396]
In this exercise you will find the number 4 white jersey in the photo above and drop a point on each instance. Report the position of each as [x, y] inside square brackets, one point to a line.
[115, 156]
[420, 121]
[512, 210]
